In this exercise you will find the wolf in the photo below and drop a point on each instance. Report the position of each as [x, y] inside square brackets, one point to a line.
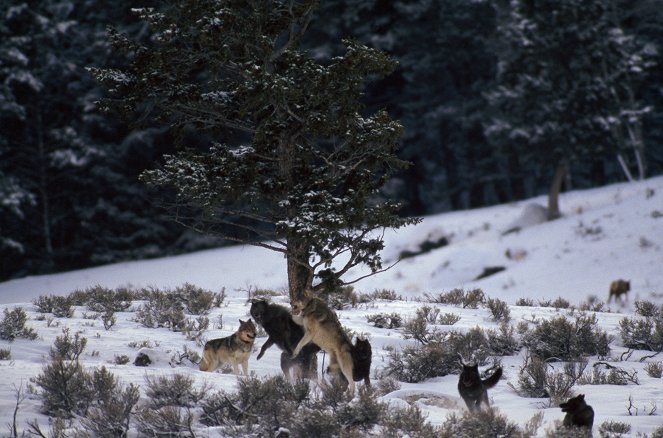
[321, 326]
[234, 349]
[473, 389]
[286, 334]
[618, 288]
[362, 355]
[578, 413]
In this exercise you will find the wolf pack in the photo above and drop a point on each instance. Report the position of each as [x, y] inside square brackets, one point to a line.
[312, 326]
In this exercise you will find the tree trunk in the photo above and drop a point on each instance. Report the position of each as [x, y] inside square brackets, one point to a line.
[300, 273]
[43, 192]
[555, 189]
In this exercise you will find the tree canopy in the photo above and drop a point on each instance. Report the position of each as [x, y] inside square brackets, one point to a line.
[293, 164]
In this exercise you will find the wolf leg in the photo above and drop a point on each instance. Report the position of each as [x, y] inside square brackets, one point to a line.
[345, 362]
[265, 346]
[302, 343]
[245, 367]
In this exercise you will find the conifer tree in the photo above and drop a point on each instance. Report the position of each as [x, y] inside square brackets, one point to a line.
[293, 164]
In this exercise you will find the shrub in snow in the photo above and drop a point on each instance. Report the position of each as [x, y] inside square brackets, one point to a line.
[614, 429]
[647, 309]
[59, 306]
[459, 297]
[68, 347]
[167, 421]
[13, 326]
[525, 302]
[538, 379]
[175, 390]
[383, 320]
[161, 309]
[642, 333]
[561, 339]
[654, 369]
[101, 299]
[65, 388]
[5, 354]
[416, 363]
[110, 413]
[499, 309]
[448, 319]
[198, 301]
[483, 423]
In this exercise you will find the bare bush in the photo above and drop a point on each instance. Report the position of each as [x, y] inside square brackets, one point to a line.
[5, 354]
[66, 388]
[538, 379]
[647, 309]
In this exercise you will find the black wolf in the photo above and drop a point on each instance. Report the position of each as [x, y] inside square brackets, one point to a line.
[286, 334]
[362, 355]
[578, 412]
[473, 389]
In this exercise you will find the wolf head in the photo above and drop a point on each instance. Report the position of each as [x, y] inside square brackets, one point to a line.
[470, 374]
[362, 349]
[247, 331]
[258, 309]
[573, 404]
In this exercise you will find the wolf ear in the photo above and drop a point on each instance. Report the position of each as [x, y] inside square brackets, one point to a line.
[241, 322]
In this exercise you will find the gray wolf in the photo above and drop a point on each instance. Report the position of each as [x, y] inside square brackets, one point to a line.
[234, 349]
[321, 326]
[618, 288]
[578, 413]
[283, 332]
[473, 389]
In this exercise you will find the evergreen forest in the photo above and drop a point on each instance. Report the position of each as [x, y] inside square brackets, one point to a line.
[498, 101]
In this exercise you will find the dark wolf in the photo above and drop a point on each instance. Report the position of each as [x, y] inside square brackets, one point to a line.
[618, 288]
[362, 354]
[578, 413]
[234, 349]
[473, 389]
[283, 332]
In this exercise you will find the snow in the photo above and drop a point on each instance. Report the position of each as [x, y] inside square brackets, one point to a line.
[605, 233]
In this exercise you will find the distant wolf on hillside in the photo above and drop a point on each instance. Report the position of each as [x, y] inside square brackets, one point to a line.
[578, 413]
[321, 326]
[473, 389]
[618, 288]
[283, 332]
[234, 349]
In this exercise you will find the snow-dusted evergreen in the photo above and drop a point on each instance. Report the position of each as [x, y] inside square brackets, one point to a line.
[290, 162]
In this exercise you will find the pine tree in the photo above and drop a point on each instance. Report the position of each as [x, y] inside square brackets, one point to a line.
[292, 163]
[565, 86]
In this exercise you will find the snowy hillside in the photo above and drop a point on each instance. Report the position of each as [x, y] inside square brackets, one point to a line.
[605, 234]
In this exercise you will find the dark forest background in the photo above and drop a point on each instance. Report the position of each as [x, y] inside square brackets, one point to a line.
[70, 196]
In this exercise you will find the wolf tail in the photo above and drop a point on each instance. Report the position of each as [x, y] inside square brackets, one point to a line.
[493, 379]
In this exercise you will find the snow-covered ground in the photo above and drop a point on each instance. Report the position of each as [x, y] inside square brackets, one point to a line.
[605, 233]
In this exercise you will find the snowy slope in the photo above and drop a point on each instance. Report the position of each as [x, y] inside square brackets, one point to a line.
[606, 233]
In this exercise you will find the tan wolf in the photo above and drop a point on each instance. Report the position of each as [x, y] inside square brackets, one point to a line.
[321, 326]
[618, 288]
[234, 349]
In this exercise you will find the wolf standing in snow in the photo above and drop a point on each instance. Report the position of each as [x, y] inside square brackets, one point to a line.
[321, 326]
[234, 349]
[473, 389]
